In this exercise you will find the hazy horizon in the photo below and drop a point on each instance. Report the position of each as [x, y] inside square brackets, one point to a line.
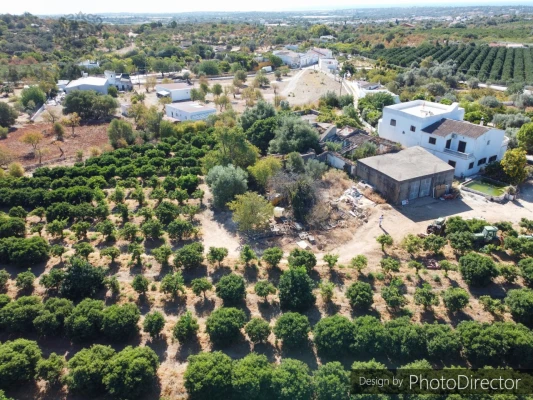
[59, 7]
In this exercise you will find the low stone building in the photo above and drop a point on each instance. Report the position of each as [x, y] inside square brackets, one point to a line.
[406, 175]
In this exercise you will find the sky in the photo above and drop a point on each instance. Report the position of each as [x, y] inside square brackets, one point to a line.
[47, 7]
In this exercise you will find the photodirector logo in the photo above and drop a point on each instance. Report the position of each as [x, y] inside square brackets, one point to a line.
[442, 382]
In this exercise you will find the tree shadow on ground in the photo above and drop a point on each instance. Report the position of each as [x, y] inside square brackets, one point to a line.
[150, 244]
[336, 277]
[174, 306]
[204, 306]
[367, 279]
[159, 346]
[250, 273]
[269, 310]
[241, 305]
[358, 312]
[303, 353]
[428, 315]
[266, 349]
[313, 314]
[224, 218]
[315, 276]
[163, 271]
[192, 273]
[190, 347]
[346, 358]
[30, 390]
[273, 275]
[113, 268]
[219, 273]
[458, 317]
[143, 304]
[331, 308]
[14, 270]
[238, 348]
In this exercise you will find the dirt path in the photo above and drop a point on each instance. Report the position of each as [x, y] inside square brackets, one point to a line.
[220, 231]
[292, 83]
[415, 217]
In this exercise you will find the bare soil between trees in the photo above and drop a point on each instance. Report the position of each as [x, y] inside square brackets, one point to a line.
[85, 137]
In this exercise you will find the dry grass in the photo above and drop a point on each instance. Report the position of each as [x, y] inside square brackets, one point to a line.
[85, 137]
[374, 196]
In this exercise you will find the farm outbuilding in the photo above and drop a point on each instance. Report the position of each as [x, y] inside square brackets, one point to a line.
[406, 175]
[180, 91]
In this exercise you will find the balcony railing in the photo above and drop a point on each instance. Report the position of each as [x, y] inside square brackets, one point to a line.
[458, 154]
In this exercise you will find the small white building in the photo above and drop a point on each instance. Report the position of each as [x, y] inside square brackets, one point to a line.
[289, 57]
[363, 88]
[176, 91]
[89, 64]
[99, 85]
[330, 65]
[120, 81]
[189, 111]
[299, 60]
[440, 129]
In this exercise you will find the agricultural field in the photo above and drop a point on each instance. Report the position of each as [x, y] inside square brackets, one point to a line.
[121, 273]
[144, 258]
[489, 64]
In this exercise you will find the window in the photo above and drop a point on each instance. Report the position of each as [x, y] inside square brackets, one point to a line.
[493, 158]
[393, 122]
[432, 140]
[413, 128]
[471, 165]
[448, 143]
[488, 142]
[461, 147]
[452, 163]
[482, 161]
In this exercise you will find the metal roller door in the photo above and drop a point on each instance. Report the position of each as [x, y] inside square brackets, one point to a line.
[425, 186]
[414, 189]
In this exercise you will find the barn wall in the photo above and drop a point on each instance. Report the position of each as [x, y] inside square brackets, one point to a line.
[395, 192]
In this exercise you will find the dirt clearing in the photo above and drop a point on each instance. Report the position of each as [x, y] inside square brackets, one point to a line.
[85, 137]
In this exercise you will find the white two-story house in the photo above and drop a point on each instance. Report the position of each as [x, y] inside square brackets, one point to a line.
[299, 60]
[440, 129]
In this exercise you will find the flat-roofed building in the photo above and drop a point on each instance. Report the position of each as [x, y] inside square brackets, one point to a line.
[189, 111]
[176, 91]
[406, 175]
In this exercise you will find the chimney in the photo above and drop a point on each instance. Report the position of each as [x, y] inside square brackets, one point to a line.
[481, 122]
